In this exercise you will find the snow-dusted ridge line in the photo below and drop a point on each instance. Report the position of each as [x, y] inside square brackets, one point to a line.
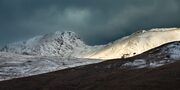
[163, 29]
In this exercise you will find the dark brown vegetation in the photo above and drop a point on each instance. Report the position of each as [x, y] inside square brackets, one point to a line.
[91, 78]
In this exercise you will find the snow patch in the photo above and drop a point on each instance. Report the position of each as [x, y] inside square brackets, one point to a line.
[174, 50]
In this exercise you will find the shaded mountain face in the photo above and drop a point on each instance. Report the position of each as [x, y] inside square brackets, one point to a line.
[62, 44]
[157, 69]
[68, 44]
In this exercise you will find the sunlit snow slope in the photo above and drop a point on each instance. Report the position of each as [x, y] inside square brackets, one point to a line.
[136, 43]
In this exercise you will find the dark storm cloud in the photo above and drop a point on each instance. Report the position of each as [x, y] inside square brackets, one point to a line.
[96, 21]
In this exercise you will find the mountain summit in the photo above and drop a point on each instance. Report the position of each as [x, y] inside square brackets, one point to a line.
[59, 43]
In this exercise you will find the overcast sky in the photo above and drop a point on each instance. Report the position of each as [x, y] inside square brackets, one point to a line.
[96, 21]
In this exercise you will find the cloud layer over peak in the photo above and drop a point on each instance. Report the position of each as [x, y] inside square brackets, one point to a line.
[96, 21]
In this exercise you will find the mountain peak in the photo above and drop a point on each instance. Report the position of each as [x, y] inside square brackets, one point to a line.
[61, 35]
[65, 33]
[57, 43]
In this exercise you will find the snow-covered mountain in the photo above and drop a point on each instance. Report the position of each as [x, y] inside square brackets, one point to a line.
[59, 50]
[62, 44]
[68, 44]
[136, 43]
[16, 66]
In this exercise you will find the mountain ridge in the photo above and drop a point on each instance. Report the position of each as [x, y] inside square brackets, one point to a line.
[58, 43]
[69, 44]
